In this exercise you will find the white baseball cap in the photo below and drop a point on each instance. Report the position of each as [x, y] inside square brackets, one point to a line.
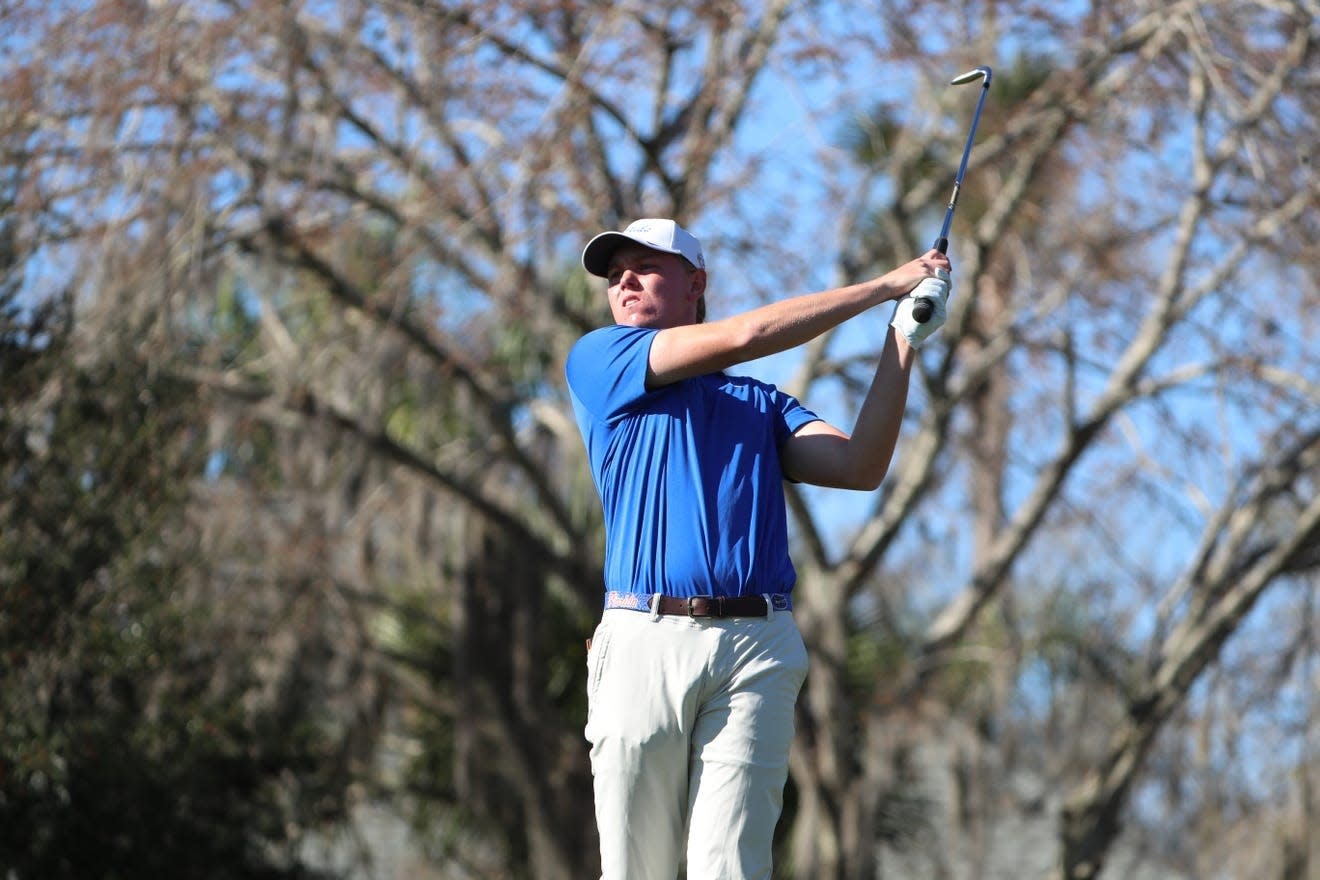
[655, 233]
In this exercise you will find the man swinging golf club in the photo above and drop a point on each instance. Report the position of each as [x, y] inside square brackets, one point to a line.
[696, 664]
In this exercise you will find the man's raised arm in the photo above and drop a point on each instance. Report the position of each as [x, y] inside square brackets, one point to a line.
[695, 349]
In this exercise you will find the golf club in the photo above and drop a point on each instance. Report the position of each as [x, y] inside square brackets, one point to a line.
[924, 307]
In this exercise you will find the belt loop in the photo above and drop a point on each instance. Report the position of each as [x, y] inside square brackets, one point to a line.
[769, 607]
[655, 606]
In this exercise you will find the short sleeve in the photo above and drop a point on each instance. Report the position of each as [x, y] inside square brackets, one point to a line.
[606, 369]
[792, 415]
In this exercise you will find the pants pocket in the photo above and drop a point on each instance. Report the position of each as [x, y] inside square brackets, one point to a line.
[597, 651]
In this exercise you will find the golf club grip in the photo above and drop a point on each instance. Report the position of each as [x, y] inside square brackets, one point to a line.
[924, 307]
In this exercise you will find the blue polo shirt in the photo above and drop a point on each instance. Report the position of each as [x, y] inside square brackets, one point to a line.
[688, 474]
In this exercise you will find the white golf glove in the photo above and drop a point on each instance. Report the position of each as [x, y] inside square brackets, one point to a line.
[937, 290]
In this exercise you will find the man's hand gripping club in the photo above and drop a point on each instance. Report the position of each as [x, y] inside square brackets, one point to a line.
[935, 290]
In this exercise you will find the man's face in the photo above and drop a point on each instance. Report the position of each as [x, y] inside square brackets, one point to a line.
[649, 288]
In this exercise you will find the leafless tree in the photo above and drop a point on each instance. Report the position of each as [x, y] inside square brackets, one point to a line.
[1109, 476]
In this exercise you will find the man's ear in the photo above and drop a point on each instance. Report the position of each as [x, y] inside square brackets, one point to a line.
[698, 288]
[699, 282]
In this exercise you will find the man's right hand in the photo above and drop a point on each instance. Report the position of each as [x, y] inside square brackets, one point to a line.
[901, 280]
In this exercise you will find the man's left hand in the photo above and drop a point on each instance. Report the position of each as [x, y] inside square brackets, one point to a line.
[935, 289]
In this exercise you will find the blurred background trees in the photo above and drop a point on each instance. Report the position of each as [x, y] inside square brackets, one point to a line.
[298, 545]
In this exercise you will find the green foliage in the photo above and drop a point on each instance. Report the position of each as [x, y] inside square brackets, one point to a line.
[129, 745]
[874, 140]
[875, 656]
[120, 766]
[454, 795]
[871, 137]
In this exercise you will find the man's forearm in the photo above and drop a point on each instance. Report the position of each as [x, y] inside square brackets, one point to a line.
[692, 350]
[789, 323]
[821, 454]
[681, 352]
[875, 435]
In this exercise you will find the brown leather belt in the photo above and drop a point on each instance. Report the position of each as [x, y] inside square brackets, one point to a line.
[700, 606]
[713, 606]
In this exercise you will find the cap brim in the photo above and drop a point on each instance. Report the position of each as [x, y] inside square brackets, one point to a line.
[596, 255]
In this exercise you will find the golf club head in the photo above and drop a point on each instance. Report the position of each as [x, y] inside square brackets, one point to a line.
[971, 75]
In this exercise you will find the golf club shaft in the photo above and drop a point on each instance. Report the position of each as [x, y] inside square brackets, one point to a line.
[924, 307]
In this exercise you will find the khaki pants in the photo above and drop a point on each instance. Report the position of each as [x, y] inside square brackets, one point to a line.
[690, 722]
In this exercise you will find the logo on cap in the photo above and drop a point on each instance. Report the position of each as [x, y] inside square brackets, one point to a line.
[652, 232]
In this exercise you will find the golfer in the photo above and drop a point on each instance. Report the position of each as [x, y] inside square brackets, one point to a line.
[696, 664]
